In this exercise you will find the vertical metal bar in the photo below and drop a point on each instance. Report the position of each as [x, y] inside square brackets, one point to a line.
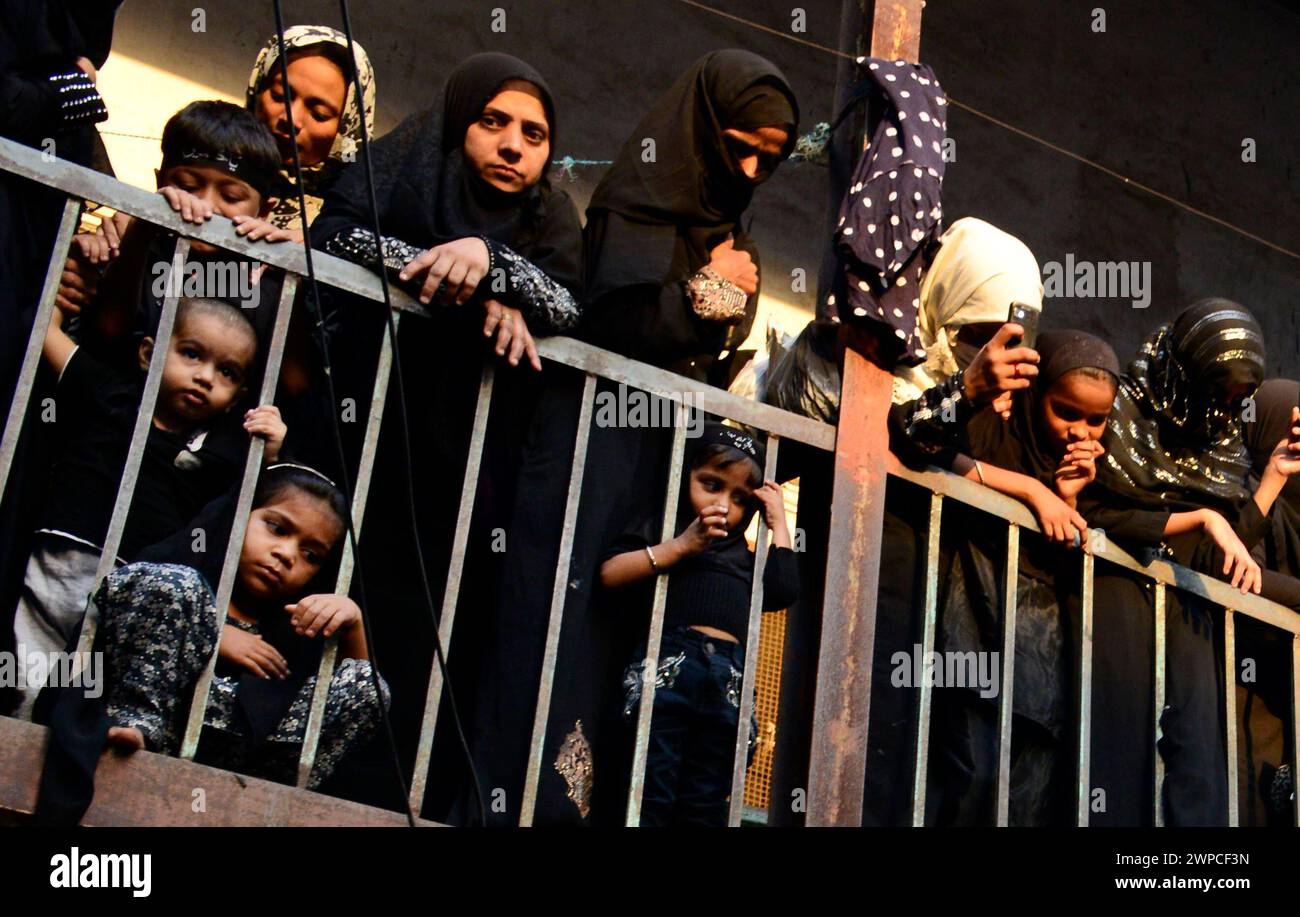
[36, 340]
[1158, 814]
[243, 506]
[752, 636]
[925, 688]
[651, 665]
[1295, 729]
[842, 701]
[1010, 600]
[542, 713]
[468, 491]
[1230, 709]
[139, 436]
[360, 493]
[1085, 690]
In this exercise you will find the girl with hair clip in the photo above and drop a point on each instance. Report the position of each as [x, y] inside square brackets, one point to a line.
[163, 617]
[701, 655]
[158, 629]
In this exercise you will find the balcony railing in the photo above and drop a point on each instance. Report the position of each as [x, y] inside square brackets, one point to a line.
[81, 184]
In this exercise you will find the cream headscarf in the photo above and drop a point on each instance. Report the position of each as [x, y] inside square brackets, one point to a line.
[317, 178]
[976, 275]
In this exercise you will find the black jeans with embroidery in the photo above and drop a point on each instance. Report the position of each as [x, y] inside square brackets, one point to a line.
[693, 732]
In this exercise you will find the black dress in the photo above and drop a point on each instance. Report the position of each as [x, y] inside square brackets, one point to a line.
[428, 196]
[650, 228]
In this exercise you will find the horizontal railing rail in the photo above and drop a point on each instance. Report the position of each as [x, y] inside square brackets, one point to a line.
[776, 424]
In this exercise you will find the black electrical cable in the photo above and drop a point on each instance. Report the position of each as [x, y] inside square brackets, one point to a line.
[313, 305]
[406, 437]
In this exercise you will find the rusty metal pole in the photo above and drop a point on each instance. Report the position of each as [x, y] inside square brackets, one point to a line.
[843, 697]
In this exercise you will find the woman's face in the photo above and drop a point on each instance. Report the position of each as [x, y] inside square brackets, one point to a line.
[319, 94]
[757, 152]
[510, 143]
[1074, 409]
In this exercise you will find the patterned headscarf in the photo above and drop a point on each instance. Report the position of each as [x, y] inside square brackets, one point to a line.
[978, 272]
[1174, 435]
[347, 143]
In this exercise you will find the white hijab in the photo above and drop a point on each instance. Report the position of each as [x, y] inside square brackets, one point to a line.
[976, 275]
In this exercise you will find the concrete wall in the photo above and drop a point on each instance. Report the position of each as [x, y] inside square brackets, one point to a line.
[1165, 96]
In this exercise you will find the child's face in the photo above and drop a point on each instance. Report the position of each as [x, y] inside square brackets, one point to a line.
[286, 542]
[717, 485]
[510, 142]
[228, 195]
[319, 89]
[1074, 409]
[207, 364]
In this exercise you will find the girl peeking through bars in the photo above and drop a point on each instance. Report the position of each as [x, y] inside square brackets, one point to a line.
[158, 629]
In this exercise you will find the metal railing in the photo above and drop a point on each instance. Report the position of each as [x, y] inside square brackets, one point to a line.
[774, 424]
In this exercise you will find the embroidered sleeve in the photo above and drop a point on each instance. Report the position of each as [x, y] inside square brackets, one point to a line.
[548, 307]
[715, 298]
[938, 418]
[357, 244]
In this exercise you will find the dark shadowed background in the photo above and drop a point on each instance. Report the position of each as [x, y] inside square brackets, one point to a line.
[1165, 96]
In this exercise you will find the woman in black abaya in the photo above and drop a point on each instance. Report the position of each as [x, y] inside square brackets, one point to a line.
[474, 229]
[1174, 483]
[672, 280]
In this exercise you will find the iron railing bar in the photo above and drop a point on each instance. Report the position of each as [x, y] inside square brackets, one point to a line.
[353, 278]
[343, 584]
[91, 185]
[450, 595]
[243, 506]
[1230, 709]
[559, 590]
[651, 666]
[135, 452]
[739, 763]
[924, 697]
[701, 397]
[36, 341]
[1085, 687]
[1158, 815]
[1007, 688]
[1011, 510]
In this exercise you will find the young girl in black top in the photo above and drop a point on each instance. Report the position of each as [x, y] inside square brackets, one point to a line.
[701, 657]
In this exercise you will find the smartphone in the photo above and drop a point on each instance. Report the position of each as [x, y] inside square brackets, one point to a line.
[1027, 318]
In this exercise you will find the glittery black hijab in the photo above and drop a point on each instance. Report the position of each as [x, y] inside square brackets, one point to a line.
[693, 187]
[1173, 436]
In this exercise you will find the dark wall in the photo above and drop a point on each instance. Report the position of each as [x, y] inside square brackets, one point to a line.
[1165, 97]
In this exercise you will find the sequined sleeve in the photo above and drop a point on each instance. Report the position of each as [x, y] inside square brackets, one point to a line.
[548, 307]
[357, 244]
[937, 419]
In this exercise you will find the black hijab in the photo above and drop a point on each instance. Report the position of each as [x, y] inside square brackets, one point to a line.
[1172, 438]
[429, 195]
[693, 188]
[1019, 446]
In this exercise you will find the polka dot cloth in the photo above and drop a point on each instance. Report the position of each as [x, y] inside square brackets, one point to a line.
[893, 209]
